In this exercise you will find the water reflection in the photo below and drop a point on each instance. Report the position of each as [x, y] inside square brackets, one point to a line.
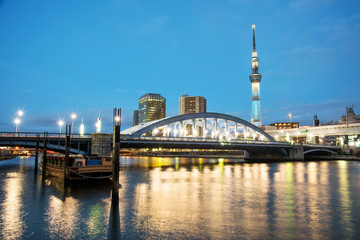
[12, 212]
[345, 201]
[240, 198]
[187, 198]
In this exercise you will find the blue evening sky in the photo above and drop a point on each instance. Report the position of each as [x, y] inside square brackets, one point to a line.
[59, 57]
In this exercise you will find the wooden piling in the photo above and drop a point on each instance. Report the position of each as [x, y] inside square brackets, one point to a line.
[36, 154]
[67, 152]
[44, 156]
[115, 155]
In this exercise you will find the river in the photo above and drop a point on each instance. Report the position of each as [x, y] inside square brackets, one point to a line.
[185, 198]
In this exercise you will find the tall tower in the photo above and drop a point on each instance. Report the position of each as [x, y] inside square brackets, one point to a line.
[255, 79]
[152, 106]
[189, 104]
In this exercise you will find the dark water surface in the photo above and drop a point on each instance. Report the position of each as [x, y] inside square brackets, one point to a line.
[184, 198]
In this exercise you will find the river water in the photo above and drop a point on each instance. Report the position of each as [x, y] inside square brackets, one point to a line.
[185, 198]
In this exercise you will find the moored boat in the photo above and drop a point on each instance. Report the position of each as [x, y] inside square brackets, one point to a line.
[80, 167]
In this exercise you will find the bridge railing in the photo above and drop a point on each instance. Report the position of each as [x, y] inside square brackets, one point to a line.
[35, 134]
[205, 140]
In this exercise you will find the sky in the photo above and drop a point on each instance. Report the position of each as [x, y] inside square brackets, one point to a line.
[85, 56]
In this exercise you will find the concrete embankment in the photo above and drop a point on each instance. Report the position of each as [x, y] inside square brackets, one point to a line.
[7, 157]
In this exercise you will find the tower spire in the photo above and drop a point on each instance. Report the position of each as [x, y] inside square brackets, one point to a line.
[253, 28]
[255, 79]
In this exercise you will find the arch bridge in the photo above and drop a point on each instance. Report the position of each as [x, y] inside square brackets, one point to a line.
[209, 125]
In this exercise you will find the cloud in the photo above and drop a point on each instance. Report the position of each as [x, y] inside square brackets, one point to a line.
[328, 110]
[308, 4]
[129, 91]
[155, 25]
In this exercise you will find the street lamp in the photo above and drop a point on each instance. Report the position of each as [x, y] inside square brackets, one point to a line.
[17, 123]
[60, 123]
[19, 113]
[290, 119]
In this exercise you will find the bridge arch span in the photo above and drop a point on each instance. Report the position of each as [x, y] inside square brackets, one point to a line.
[319, 150]
[200, 125]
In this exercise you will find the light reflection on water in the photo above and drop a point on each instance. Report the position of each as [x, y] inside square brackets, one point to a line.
[172, 198]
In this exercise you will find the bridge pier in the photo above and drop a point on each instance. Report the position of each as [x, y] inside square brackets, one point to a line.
[44, 161]
[36, 154]
[296, 153]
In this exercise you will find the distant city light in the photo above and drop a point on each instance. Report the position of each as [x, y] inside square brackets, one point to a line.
[20, 113]
[98, 125]
[73, 116]
[82, 129]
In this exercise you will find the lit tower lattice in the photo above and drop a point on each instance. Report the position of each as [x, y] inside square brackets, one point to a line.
[255, 79]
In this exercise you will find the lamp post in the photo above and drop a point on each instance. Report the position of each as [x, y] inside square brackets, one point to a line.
[17, 123]
[73, 117]
[19, 113]
[60, 123]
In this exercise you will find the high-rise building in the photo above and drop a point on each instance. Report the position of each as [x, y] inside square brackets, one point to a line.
[135, 118]
[255, 79]
[189, 104]
[152, 106]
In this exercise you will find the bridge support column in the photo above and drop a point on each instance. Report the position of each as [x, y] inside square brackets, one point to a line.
[236, 131]
[215, 134]
[227, 129]
[205, 128]
[36, 154]
[297, 153]
[44, 161]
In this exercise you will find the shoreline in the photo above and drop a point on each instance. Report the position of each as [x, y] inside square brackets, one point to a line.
[274, 159]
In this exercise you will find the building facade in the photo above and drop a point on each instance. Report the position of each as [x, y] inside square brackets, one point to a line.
[350, 116]
[255, 79]
[285, 125]
[191, 104]
[152, 106]
[135, 118]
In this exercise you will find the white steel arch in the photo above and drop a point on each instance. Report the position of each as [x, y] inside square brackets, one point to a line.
[217, 125]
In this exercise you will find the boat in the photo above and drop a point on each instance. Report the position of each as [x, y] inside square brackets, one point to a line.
[80, 167]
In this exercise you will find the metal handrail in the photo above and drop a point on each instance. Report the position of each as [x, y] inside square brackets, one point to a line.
[41, 134]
